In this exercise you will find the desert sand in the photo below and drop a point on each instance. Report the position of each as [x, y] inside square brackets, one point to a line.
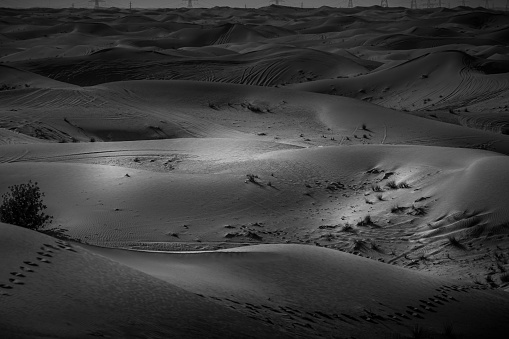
[257, 173]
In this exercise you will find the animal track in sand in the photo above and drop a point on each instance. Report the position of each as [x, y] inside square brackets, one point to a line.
[17, 274]
[44, 260]
[16, 281]
[26, 269]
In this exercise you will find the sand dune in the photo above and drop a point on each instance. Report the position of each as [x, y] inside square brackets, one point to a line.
[257, 173]
[136, 305]
[305, 290]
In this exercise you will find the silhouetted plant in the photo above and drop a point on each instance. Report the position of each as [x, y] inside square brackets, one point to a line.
[504, 277]
[449, 330]
[376, 188]
[23, 206]
[418, 332]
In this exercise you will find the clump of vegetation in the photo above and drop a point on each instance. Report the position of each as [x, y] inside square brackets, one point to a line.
[23, 206]
[504, 278]
[419, 211]
[252, 178]
[359, 245]
[397, 209]
[403, 185]
[348, 228]
[454, 242]
[376, 188]
[366, 221]
[392, 185]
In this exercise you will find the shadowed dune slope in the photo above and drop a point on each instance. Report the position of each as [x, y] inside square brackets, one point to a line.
[98, 297]
[322, 290]
[440, 80]
[267, 67]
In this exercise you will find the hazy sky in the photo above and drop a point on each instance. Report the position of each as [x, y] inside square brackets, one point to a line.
[232, 3]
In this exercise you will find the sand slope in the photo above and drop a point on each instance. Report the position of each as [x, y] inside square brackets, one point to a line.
[309, 290]
[74, 293]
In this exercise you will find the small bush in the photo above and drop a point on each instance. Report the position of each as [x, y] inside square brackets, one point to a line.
[376, 188]
[392, 185]
[366, 221]
[403, 185]
[454, 242]
[504, 277]
[23, 206]
[251, 178]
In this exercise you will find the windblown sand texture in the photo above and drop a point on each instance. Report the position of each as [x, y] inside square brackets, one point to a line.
[257, 173]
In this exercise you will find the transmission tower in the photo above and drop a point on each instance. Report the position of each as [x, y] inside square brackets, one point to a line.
[413, 4]
[439, 3]
[384, 3]
[190, 3]
[350, 4]
[487, 4]
[277, 2]
[97, 3]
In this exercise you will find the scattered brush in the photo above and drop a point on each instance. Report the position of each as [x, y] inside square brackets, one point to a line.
[376, 188]
[348, 228]
[418, 211]
[359, 245]
[403, 185]
[252, 178]
[328, 236]
[366, 221]
[423, 257]
[375, 247]
[397, 209]
[490, 281]
[392, 185]
[454, 242]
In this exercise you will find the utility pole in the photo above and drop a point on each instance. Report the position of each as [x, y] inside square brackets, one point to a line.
[439, 3]
[301, 5]
[413, 4]
[486, 4]
[277, 2]
[190, 3]
[130, 6]
[97, 3]
[350, 4]
[384, 3]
